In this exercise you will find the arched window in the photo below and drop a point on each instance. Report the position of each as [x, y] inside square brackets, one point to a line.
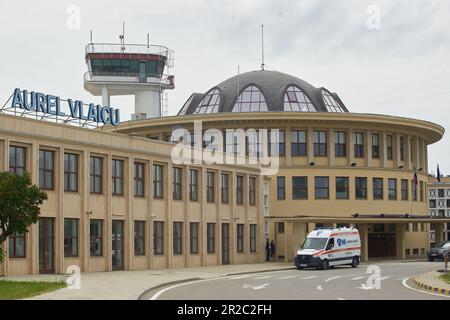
[251, 99]
[330, 102]
[296, 100]
[209, 104]
[186, 105]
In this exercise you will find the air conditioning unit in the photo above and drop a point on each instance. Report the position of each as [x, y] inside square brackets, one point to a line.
[138, 116]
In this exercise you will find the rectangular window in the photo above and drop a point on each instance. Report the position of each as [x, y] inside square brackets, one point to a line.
[392, 185]
[193, 233]
[377, 188]
[158, 175]
[178, 238]
[240, 238]
[239, 189]
[193, 185]
[158, 238]
[46, 169]
[225, 187]
[375, 145]
[17, 245]
[299, 188]
[358, 143]
[117, 177]
[70, 172]
[320, 143]
[211, 237]
[280, 227]
[252, 191]
[340, 144]
[139, 179]
[96, 237]
[253, 238]
[433, 203]
[321, 187]
[210, 177]
[281, 188]
[414, 190]
[70, 237]
[96, 174]
[177, 183]
[17, 160]
[402, 148]
[389, 149]
[281, 143]
[298, 143]
[342, 188]
[404, 186]
[139, 238]
[441, 193]
[361, 188]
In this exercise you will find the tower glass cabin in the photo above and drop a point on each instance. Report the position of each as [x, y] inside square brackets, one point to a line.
[129, 69]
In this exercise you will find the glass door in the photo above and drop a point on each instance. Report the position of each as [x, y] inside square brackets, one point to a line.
[46, 245]
[117, 245]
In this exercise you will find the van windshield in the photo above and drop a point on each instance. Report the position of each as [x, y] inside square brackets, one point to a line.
[314, 243]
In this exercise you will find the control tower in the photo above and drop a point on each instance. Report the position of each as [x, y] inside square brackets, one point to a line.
[141, 70]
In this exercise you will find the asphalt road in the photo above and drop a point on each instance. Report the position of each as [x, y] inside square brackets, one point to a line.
[342, 283]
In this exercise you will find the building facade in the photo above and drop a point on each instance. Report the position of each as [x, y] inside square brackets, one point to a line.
[335, 167]
[439, 204]
[118, 202]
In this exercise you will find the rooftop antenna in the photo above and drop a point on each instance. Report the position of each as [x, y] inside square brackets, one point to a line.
[91, 36]
[122, 37]
[148, 40]
[262, 47]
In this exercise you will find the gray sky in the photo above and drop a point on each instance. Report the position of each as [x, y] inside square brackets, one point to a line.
[401, 69]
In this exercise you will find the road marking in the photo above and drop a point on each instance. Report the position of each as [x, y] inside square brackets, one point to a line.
[160, 292]
[287, 277]
[384, 278]
[240, 277]
[263, 286]
[340, 299]
[263, 277]
[358, 278]
[306, 278]
[402, 278]
[319, 287]
[426, 292]
[333, 278]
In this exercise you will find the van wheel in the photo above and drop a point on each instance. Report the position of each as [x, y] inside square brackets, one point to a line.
[324, 265]
[430, 259]
[300, 268]
[355, 262]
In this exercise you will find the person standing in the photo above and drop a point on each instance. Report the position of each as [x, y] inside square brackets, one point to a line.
[272, 250]
[267, 250]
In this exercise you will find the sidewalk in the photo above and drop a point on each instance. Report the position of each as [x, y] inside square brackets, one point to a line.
[129, 285]
[430, 281]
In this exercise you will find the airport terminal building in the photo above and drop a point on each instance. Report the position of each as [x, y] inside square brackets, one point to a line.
[119, 201]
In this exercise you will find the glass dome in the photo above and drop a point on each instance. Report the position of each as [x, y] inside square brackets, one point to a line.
[250, 100]
[210, 103]
[296, 100]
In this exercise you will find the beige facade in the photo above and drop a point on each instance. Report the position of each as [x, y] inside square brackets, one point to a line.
[126, 208]
[393, 221]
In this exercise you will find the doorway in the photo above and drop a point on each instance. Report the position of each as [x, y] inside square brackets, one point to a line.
[225, 243]
[46, 245]
[117, 245]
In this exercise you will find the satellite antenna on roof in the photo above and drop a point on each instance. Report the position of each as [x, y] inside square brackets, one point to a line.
[262, 47]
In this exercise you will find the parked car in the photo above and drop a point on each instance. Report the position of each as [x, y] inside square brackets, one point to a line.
[438, 251]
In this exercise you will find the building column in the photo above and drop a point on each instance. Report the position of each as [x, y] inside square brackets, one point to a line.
[288, 253]
[439, 232]
[401, 240]
[287, 146]
[331, 149]
[364, 235]
[5, 167]
[310, 144]
[105, 96]
[383, 150]
[34, 230]
[129, 187]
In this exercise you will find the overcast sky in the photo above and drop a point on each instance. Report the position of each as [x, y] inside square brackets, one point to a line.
[402, 68]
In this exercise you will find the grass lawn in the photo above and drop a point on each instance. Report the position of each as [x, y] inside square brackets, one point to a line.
[446, 277]
[11, 290]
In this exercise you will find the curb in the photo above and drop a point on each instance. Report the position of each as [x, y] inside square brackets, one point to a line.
[431, 288]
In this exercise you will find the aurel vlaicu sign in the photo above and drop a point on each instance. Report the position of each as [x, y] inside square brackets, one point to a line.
[52, 105]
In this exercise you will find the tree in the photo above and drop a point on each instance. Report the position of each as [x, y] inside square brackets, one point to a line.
[20, 203]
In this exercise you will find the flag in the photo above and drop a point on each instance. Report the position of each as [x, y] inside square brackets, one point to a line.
[438, 174]
[415, 177]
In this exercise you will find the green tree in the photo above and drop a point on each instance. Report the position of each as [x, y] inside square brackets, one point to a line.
[20, 203]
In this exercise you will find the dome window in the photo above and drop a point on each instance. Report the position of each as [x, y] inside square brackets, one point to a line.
[330, 102]
[186, 105]
[209, 104]
[296, 100]
[250, 100]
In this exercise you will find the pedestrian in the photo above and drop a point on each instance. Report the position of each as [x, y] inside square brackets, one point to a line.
[267, 250]
[272, 250]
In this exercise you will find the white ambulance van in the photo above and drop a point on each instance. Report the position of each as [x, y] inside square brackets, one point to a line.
[326, 247]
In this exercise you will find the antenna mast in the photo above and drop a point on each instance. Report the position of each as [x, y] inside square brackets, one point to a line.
[262, 47]
[122, 37]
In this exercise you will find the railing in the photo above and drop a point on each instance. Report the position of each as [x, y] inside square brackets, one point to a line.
[164, 79]
[127, 49]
